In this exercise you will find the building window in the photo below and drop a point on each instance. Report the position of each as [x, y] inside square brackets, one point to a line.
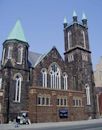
[43, 100]
[55, 77]
[20, 55]
[84, 40]
[9, 52]
[65, 77]
[88, 94]
[69, 39]
[77, 102]
[17, 96]
[75, 82]
[0, 83]
[0, 107]
[62, 101]
[84, 57]
[70, 58]
[39, 100]
[3, 55]
[44, 78]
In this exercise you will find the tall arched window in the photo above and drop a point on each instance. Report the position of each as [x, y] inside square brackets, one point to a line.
[44, 77]
[88, 94]
[65, 77]
[20, 55]
[55, 76]
[69, 39]
[84, 40]
[9, 52]
[3, 55]
[17, 96]
[0, 83]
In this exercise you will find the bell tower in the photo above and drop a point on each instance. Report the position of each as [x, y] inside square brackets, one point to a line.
[78, 59]
[15, 70]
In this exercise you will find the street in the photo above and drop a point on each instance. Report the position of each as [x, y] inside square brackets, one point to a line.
[95, 124]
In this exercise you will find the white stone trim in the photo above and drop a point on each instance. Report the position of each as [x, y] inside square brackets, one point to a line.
[44, 77]
[88, 94]
[20, 55]
[0, 83]
[9, 56]
[3, 55]
[18, 89]
[69, 40]
[84, 40]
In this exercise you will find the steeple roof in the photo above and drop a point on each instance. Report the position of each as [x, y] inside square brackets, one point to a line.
[84, 16]
[65, 20]
[17, 32]
[74, 14]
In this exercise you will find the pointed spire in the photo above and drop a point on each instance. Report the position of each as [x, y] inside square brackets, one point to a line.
[84, 19]
[74, 17]
[74, 14]
[17, 32]
[65, 20]
[84, 16]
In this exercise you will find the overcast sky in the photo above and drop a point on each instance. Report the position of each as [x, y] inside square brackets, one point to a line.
[42, 21]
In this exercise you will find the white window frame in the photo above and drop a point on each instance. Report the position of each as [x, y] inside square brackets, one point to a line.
[18, 89]
[69, 40]
[9, 56]
[70, 57]
[63, 99]
[84, 57]
[55, 77]
[3, 55]
[0, 83]
[84, 40]
[21, 55]
[0, 107]
[45, 100]
[77, 99]
[65, 77]
[88, 100]
[44, 77]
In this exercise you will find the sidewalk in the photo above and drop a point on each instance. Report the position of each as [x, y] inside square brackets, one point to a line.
[51, 124]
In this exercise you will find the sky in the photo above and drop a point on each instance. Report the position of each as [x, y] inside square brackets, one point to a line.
[42, 22]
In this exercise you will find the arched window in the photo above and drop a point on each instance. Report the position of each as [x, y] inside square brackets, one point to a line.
[0, 83]
[17, 96]
[65, 77]
[88, 94]
[84, 40]
[20, 55]
[44, 77]
[3, 55]
[55, 77]
[69, 39]
[9, 52]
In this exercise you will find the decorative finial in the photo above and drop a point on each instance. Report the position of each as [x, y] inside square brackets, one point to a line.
[74, 14]
[84, 20]
[74, 17]
[65, 20]
[84, 16]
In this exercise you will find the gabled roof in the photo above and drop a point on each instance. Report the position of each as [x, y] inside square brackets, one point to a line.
[17, 32]
[33, 58]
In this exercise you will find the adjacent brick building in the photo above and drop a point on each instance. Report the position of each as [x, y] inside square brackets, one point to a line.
[98, 85]
[46, 86]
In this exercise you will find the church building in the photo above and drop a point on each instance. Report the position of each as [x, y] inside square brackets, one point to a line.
[47, 87]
